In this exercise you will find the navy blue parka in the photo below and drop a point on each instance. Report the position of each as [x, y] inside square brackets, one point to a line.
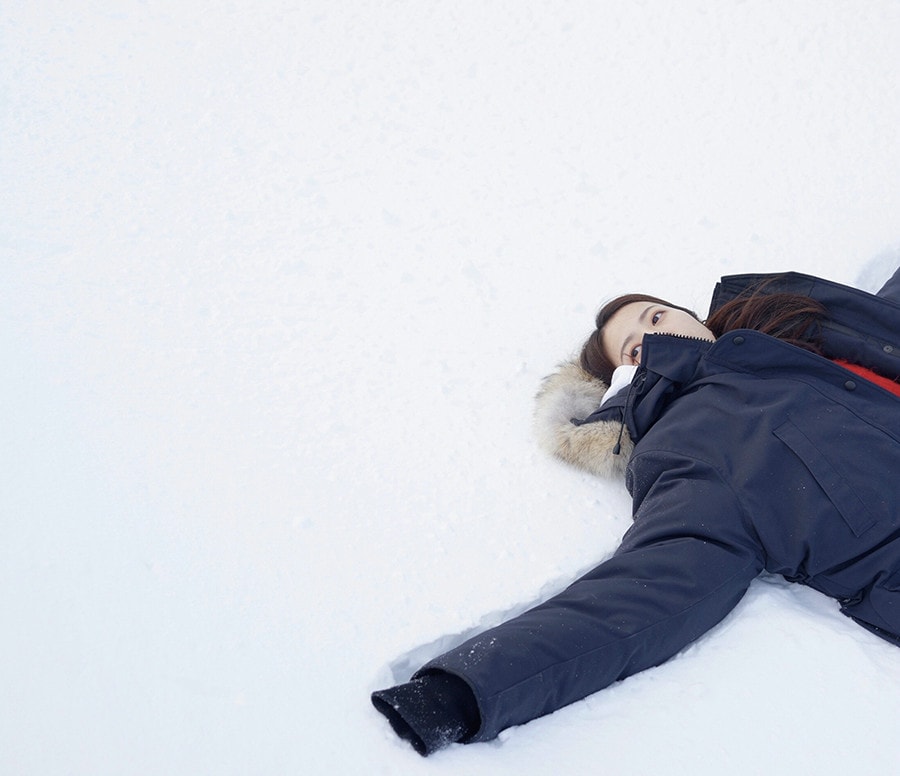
[751, 454]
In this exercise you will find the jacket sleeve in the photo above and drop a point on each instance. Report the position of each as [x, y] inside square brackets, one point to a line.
[680, 569]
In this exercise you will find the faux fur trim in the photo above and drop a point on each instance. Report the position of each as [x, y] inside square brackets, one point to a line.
[568, 393]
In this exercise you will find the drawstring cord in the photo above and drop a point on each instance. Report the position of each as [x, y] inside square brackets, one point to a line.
[618, 448]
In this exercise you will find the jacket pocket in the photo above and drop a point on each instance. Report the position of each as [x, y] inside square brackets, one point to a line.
[855, 513]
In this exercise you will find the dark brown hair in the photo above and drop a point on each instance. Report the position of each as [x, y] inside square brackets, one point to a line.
[793, 318]
[593, 360]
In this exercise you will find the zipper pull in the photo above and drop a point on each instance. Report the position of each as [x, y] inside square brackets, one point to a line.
[618, 448]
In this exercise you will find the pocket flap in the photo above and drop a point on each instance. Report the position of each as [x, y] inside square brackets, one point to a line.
[852, 509]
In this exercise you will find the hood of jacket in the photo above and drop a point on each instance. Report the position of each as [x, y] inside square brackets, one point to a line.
[568, 397]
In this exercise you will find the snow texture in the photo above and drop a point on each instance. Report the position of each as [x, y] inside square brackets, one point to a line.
[279, 283]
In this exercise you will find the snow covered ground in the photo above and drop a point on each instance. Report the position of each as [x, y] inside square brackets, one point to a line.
[279, 281]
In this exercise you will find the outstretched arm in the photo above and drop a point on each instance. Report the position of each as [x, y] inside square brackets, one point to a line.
[682, 567]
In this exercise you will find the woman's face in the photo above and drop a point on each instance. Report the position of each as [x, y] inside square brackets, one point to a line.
[623, 332]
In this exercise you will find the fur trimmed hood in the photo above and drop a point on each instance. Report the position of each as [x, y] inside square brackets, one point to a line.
[571, 394]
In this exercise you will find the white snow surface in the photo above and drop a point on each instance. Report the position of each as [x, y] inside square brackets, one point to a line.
[279, 282]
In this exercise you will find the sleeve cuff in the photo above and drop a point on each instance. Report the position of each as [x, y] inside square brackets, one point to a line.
[432, 711]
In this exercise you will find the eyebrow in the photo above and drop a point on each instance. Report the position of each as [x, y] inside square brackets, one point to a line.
[641, 318]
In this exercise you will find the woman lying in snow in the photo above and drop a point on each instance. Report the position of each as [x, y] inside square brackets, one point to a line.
[765, 439]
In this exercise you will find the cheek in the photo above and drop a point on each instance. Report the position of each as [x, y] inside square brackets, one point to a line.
[612, 357]
[702, 332]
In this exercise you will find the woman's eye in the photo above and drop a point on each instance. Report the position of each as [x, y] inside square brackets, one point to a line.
[635, 352]
[656, 317]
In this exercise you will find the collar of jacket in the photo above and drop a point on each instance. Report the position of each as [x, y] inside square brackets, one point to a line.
[669, 364]
[673, 366]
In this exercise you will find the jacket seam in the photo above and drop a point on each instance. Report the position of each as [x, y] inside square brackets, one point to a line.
[746, 521]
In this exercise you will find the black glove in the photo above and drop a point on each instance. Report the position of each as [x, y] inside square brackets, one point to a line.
[432, 711]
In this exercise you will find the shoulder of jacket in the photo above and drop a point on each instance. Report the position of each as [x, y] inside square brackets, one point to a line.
[571, 393]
